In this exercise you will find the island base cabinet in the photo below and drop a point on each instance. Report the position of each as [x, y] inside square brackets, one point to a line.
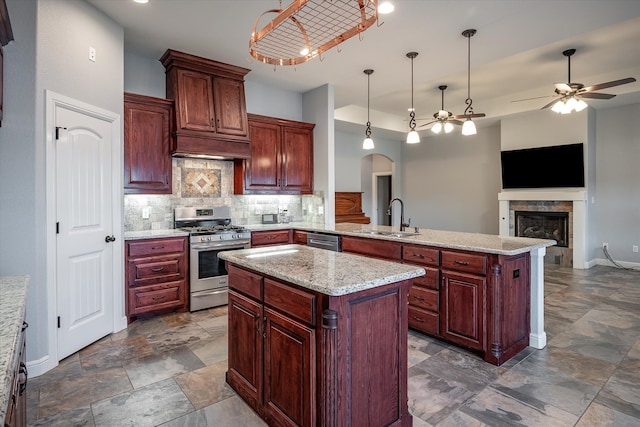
[463, 316]
[302, 358]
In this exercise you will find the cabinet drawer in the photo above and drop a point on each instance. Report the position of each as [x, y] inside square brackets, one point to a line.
[424, 321]
[147, 268]
[372, 247]
[420, 255]
[470, 263]
[293, 302]
[270, 238]
[300, 237]
[155, 246]
[424, 298]
[245, 282]
[156, 297]
[431, 279]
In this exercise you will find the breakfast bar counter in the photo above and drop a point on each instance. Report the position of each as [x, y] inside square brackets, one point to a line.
[318, 337]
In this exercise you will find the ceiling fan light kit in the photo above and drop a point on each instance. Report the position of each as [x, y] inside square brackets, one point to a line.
[367, 144]
[308, 28]
[412, 136]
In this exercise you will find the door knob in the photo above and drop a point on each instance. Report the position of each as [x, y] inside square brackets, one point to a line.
[109, 239]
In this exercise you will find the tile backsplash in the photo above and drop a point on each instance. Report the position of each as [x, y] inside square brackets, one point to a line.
[201, 182]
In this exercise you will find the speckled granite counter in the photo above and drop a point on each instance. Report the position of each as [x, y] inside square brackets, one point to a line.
[328, 272]
[154, 234]
[13, 290]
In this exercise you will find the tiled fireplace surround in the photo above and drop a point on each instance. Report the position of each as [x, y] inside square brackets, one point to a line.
[573, 202]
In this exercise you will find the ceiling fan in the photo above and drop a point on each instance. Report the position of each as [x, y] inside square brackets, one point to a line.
[569, 95]
[444, 120]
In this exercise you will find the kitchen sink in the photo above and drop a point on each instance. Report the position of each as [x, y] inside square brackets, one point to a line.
[389, 233]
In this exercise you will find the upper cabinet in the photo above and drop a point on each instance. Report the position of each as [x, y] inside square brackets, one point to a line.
[211, 112]
[147, 142]
[281, 158]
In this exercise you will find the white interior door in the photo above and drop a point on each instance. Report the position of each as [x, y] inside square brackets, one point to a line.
[84, 214]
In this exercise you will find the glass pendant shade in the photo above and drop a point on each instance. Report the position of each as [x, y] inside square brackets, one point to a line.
[448, 127]
[581, 105]
[557, 107]
[568, 106]
[413, 137]
[437, 128]
[367, 144]
[468, 127]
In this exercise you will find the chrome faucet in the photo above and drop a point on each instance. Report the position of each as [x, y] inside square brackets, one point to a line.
[403, 225]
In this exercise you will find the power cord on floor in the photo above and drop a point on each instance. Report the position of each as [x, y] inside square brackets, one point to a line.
[605, 249]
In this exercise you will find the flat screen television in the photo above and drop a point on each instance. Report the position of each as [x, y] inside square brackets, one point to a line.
[543, 167]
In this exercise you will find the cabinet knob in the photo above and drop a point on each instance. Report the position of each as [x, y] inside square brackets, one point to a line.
[110, 239]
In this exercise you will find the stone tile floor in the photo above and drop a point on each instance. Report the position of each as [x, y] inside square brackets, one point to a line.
[170, 370]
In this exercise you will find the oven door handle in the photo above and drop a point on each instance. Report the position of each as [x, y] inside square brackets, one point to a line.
[223, 246]
[204, 294]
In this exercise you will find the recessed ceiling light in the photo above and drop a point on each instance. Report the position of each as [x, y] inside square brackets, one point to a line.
[385, 7]
[141, 1]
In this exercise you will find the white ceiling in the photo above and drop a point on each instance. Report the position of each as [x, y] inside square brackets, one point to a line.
[516, 53]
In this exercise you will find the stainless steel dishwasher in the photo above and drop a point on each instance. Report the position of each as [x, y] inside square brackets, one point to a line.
[324, 241]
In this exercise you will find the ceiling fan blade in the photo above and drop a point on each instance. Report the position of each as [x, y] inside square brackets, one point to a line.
[456, 122]
[469, 116]
[563, 87]
[549, 104]
[427, 124]
[608, 84]
[535, 97]
[596, 95]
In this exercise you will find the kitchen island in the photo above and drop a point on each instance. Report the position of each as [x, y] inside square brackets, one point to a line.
[319, 337]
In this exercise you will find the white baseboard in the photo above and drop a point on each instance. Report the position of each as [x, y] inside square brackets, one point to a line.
[40, 366]
[626, 264]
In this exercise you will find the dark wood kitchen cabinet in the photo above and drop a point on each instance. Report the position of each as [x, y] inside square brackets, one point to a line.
[270, 237]
[382, 249]
[424, 295]
[16, 415]
[272, 351]
[210, 106]
[148, 123]
[157, 276]
[281, 158]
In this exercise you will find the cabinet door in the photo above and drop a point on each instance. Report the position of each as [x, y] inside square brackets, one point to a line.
[463, 309]
[267, 238]
[195, 101]
[147, 145]
[262, 171]
[245, 348]
[289, 371]
[230, 108]
[297, 159]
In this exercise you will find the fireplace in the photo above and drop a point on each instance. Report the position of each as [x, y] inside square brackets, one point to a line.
[543, 225]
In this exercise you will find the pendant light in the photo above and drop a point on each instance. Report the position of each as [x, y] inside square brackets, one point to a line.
[412, 136]
[468, 127]
[367, 144]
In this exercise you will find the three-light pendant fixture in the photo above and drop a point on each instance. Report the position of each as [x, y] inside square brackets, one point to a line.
[468, 126]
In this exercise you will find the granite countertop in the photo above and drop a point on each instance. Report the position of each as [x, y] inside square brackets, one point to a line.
[327, 272]
[12, 309]
[154, 234]
[476, 242]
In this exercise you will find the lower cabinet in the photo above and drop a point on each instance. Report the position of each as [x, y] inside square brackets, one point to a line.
[16, 415]
[303, 358]
[270, 237]
[463, 299]
[157, 276]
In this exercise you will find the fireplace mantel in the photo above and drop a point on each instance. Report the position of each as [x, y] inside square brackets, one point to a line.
[579, 199]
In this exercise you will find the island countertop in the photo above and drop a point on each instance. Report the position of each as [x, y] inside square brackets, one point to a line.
[12, 309]
[327, 272]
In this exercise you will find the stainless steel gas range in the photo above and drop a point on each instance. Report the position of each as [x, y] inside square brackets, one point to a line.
[210, 232]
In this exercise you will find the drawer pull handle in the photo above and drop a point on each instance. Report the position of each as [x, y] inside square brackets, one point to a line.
[157, 270]
[461, 262]
[418, 298]
[419, 256]
[271, 237]
[158, 298]
[418, 319]
[24, 376]
[155, 248]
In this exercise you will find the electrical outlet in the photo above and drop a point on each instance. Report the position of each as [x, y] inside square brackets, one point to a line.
[321, 210]
[92, 54]
[145, 213]
[635, 248]
[605, 245]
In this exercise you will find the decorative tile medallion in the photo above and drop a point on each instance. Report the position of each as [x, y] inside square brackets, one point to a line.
[198, 182]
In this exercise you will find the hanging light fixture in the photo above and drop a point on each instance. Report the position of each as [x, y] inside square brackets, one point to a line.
[308, 28]
[468, 127]
[412, 136]
[367, 144]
